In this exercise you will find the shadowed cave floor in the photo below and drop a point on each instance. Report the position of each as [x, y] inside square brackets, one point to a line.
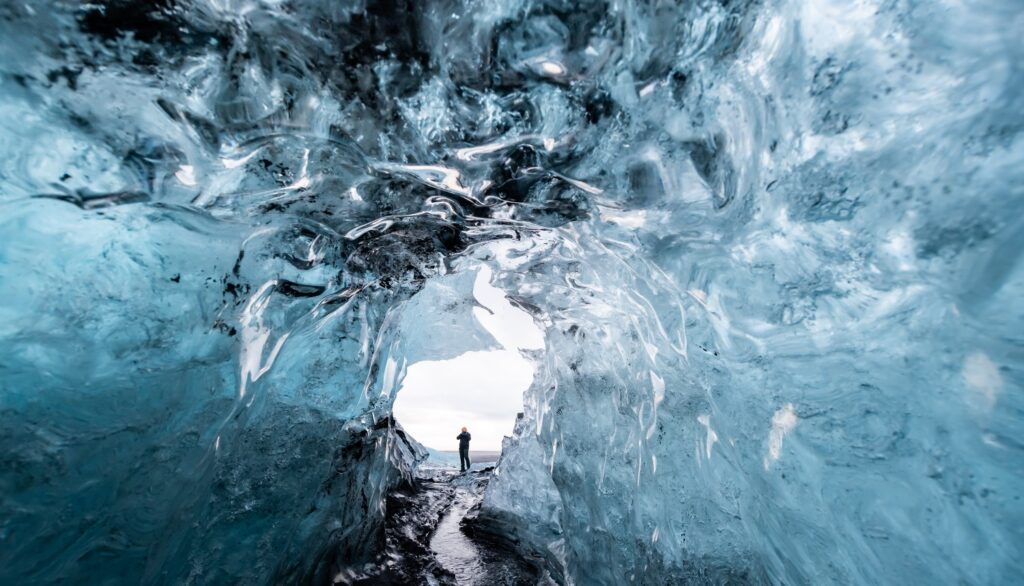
[429, 543]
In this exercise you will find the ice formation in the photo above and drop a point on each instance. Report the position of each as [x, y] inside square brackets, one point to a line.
[774, 247]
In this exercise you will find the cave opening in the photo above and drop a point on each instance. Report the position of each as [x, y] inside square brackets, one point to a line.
[481, 388]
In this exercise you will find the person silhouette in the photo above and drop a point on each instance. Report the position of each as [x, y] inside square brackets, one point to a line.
[464, 438]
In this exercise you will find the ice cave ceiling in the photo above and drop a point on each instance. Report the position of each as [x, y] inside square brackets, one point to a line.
[774, 247]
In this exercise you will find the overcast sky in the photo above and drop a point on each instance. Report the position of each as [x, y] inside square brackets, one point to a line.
[479, 390]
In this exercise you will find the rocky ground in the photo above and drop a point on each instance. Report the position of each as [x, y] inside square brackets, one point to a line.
[428, 542]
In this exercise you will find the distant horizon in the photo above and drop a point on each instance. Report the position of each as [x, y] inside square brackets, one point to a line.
[440, 397]
[480, 389]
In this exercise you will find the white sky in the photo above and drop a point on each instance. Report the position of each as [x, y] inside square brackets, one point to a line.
[481, 390]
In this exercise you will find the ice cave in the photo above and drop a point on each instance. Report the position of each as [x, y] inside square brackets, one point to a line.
[752, 270]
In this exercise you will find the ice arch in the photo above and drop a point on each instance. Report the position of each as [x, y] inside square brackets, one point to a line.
[774, 249]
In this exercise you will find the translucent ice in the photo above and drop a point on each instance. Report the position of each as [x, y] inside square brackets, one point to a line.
[774, 248]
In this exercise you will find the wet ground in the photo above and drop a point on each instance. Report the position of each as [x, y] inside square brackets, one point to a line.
[471, 561]
[426, 543]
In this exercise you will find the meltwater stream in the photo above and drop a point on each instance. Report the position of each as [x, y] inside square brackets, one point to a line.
[774, 248]
[474, 561]
[456, 552]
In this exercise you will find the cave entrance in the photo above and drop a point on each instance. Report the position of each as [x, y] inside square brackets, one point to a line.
[479, 389]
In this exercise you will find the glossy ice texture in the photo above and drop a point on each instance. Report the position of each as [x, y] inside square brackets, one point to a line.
[775, 248]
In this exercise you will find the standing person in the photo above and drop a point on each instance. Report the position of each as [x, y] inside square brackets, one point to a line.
[464, 438]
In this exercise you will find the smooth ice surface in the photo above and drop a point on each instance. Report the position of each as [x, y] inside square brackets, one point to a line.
[774, 249]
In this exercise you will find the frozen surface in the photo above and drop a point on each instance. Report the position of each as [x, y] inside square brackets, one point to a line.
[774, 248]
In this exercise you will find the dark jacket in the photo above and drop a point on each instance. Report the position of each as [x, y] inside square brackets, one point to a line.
[463, 438]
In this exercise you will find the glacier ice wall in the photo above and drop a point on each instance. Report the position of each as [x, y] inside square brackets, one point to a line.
[145, 435]
[788, 350]
[774, 246]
